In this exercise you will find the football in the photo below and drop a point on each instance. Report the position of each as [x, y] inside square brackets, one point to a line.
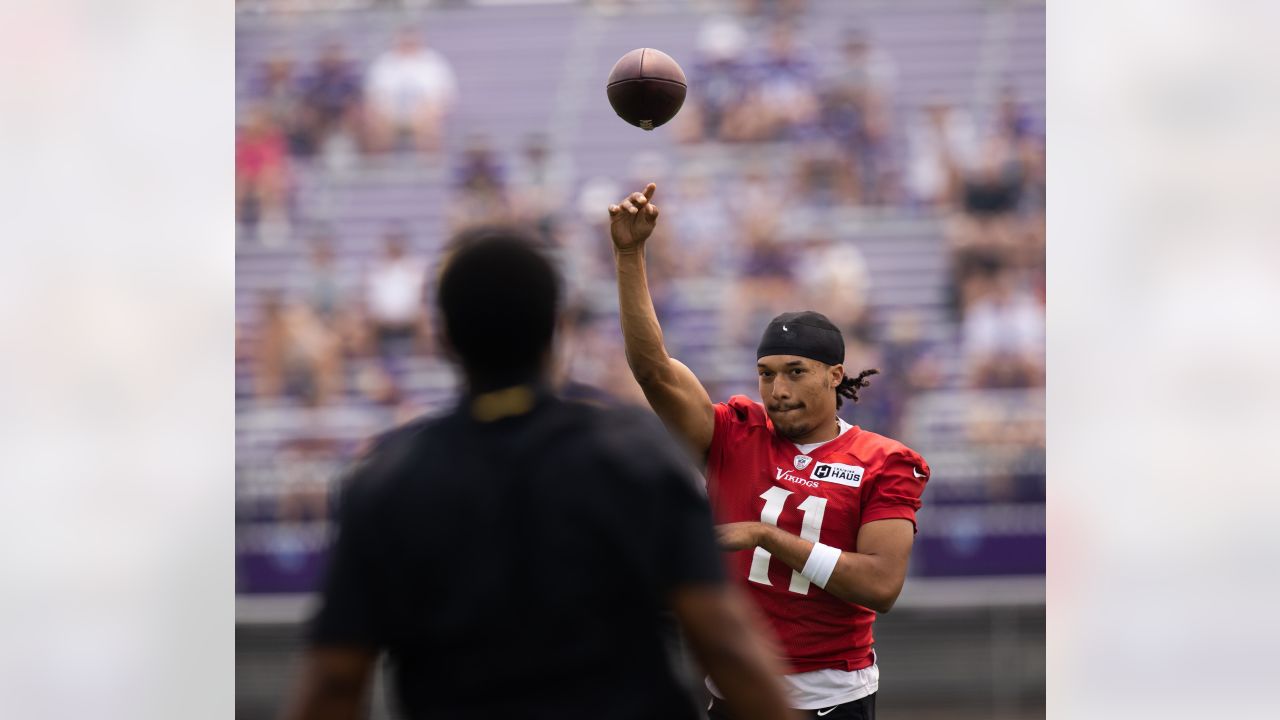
[646, 88]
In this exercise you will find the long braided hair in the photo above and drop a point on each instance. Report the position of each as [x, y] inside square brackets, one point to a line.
[849, 386]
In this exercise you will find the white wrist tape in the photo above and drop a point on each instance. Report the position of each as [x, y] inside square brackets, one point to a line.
[821, 563]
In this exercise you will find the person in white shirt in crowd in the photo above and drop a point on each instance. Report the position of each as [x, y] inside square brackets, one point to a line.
[393, 303]
[410, 89]
[942, 146]
[1003, 334]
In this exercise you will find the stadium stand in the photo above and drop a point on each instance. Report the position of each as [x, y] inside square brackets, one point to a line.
[924, 262]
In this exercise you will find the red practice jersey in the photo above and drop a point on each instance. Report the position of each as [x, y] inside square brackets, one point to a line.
[755, 475]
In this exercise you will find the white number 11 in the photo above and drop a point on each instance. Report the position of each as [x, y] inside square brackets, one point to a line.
[811, 528]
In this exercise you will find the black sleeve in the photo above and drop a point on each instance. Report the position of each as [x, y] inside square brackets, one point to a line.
[348, 609]
[688, 552]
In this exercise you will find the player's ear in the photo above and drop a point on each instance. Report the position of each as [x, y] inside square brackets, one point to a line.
[837, 375]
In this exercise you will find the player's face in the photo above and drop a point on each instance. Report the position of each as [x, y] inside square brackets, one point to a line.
[798, 393]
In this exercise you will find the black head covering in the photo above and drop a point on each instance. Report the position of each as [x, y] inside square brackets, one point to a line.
[806, 334]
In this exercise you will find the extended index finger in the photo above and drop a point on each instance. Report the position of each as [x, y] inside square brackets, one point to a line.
[649, 190]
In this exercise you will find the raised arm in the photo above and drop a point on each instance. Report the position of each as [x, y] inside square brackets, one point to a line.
[673, 391]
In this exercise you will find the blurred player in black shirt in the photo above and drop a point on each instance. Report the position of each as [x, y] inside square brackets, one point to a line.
[514, 556]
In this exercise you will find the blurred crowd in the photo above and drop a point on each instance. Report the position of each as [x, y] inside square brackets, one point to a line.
[853, 145]
[332, 110]
[738, 242]
[842, 144]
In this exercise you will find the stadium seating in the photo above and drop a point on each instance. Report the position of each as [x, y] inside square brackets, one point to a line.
[548, 78]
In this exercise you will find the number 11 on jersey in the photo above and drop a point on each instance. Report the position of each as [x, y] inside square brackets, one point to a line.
[811, 528]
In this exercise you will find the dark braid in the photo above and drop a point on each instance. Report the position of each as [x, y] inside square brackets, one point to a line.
[849, 386]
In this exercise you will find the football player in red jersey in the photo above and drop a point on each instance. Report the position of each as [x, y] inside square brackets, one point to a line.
[819, 514]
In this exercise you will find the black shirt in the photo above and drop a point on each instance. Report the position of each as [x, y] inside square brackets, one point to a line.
[520, 567]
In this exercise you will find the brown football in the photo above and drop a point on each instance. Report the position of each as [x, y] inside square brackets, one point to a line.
[646, 88]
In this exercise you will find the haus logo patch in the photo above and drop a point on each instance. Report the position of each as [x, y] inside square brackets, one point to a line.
[838, 473]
